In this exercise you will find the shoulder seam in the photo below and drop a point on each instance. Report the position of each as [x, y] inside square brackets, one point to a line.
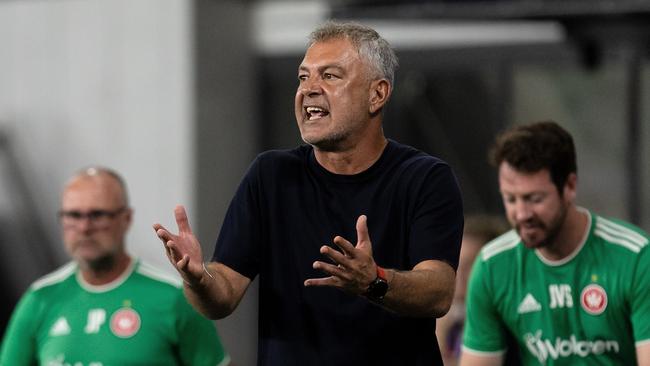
[156, 274]
[505, 242]
[55, 277]
[614, 233]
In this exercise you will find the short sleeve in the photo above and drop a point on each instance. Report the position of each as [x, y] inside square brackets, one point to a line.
[640, 301]
[19, 344]
[484, 330]
[199, 343]
[238, 245]
[437, 228]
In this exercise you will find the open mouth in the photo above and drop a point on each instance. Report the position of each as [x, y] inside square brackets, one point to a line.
[314, 113]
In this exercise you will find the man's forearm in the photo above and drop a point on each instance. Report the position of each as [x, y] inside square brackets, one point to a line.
[218, 292]
[425, 291]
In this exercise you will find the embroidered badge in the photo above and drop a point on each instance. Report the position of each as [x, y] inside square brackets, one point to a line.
[593, 299]
[125, 322]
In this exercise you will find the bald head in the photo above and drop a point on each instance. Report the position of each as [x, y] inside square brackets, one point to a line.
[105, 178]
[95, 217]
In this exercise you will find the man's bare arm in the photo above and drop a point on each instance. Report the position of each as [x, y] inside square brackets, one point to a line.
[643, 354]
[214, 290]
[426, 290]
[470, 359]
[218, 292]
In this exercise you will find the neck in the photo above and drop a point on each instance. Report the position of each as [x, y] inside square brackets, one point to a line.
[102, 274]
[353, 159]
[570, 236]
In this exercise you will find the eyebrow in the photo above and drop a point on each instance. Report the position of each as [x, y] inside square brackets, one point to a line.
[321, 68]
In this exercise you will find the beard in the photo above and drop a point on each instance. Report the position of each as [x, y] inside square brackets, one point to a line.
[331, 143]
[102, 262]
[546, 232]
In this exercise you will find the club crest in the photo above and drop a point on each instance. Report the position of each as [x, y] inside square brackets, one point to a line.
[125, 323]
[593, 299]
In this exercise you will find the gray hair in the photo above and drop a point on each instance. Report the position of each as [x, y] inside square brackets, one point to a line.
[368, 43]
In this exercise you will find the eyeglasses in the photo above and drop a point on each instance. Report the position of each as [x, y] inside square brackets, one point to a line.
[96, 218]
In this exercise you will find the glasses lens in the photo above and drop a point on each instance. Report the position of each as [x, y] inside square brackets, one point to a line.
[96, 218]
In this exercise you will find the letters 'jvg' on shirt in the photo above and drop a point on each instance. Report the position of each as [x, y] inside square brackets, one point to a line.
[591, 308]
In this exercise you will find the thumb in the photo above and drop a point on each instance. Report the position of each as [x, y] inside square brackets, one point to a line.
[363, 237]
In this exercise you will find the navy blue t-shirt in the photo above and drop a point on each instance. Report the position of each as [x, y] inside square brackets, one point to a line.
[288, 206]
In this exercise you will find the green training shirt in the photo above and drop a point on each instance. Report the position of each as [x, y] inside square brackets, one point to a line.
[592, 307]
[142, 318]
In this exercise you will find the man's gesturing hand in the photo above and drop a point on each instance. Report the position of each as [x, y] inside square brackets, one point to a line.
[183, 250]
[354, 268]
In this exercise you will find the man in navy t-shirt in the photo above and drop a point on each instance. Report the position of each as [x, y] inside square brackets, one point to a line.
[355, 237]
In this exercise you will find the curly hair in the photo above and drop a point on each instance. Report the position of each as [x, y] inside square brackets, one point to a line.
[534, 147]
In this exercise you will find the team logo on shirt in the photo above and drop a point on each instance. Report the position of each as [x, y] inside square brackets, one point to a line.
[60, 327]
[529, 305]
[593, 299]
[125, 322]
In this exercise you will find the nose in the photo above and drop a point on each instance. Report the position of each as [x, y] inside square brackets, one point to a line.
[84, 223]
[522, 211]
[310, 86]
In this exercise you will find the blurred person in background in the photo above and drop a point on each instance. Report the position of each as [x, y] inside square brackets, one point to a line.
[381, 221]
[105, 307]
[479, 229]
[570, 285]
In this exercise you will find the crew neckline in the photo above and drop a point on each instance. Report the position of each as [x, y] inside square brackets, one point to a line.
[583, 241]
[351, 178]
[111, 285]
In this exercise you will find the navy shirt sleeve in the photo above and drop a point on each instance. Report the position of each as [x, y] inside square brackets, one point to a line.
[238, 245]
[437, 226]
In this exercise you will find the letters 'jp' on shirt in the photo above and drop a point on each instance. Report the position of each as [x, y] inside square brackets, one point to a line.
[141, 318]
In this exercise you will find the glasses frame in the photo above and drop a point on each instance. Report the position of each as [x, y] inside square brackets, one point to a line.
[97, 218]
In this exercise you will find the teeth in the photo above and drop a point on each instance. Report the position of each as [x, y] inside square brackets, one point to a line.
[314, 110]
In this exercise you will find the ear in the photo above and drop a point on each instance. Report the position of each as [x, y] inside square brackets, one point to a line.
[570, 187]
[128, 216]
[379, 92]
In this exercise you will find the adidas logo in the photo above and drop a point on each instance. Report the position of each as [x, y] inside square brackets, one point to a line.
[529, 305]
[61, 327]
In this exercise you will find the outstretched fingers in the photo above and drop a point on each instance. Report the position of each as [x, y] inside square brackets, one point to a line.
[162, 233]
[346, 247]
[182, 220]
[335, 255]
[167, 239]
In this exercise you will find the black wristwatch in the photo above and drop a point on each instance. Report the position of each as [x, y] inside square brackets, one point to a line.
[378, 288]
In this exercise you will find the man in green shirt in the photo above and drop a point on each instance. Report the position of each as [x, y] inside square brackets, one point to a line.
[106, 308]
[570, 286]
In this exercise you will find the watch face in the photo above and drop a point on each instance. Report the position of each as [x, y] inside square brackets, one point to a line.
[377, 289]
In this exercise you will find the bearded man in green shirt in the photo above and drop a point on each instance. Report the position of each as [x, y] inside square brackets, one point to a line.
[105, 307]
[569, 285]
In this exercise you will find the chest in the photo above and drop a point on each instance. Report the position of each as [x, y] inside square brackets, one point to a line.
[578, 310]
[105, 329]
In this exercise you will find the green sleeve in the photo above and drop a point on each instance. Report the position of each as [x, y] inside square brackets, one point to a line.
[19, 343]
[199, 343]
[640, 299]
[484, 331]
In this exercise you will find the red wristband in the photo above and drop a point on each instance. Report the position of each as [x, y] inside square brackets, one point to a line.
[381, 273]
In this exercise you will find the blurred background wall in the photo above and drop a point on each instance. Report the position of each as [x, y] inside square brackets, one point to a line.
[179, 96]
